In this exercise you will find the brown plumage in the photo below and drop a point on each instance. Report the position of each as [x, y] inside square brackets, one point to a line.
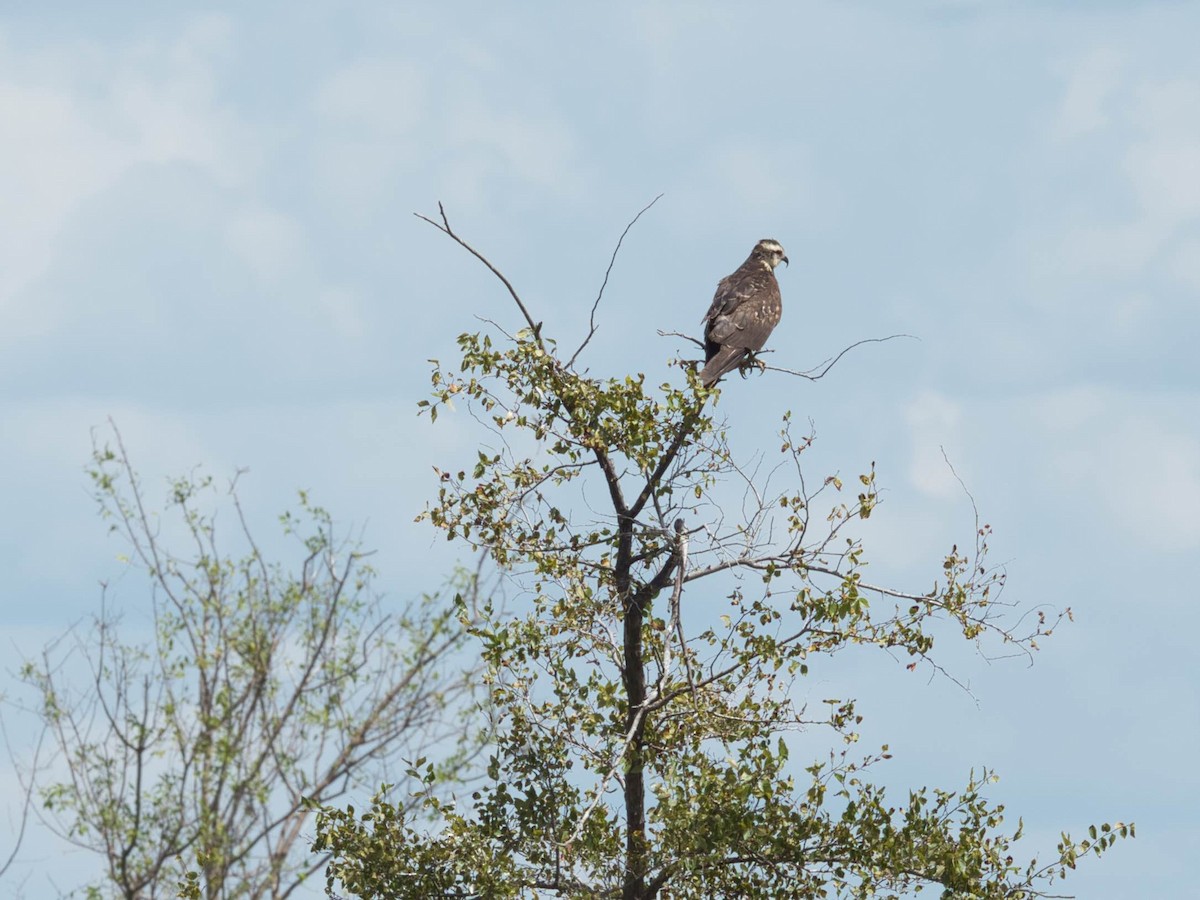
[744, 312]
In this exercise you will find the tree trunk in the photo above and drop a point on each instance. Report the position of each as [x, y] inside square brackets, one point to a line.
[635, 784]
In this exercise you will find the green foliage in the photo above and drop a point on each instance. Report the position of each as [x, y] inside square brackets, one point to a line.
[639, 755]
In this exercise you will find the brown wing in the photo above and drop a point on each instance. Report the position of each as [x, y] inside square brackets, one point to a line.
[744, 312]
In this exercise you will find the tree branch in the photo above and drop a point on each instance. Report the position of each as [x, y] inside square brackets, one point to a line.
[616, 250]
[687, 337]
[821, 369]
[664, 462]
[444, 227]
[27, 787]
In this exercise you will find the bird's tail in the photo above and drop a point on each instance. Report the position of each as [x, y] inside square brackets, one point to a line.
[723, 361]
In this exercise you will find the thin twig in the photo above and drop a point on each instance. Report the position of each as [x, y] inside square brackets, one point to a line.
[27, 787]
[681, 545]
[604, 284]
[823, 369]
[962, 484]
[445, 228]
[687, 337]
[613, 768]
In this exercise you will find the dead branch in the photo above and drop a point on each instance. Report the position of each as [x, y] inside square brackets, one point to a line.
[27, 786]
[444, 227]
[604, 284]
[687, 337]
[821, 369]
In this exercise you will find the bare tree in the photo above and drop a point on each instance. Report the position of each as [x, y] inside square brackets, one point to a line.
[24, 773]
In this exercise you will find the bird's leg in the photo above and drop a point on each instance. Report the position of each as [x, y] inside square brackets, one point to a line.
[751, 361]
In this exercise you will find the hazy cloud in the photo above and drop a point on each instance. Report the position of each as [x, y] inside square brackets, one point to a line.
[1090, 84]
[934, 423]
[1113, 453]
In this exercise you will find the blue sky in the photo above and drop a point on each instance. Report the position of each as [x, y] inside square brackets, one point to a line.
[207, 234]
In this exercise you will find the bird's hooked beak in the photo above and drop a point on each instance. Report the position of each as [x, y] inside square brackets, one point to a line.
[784, 260]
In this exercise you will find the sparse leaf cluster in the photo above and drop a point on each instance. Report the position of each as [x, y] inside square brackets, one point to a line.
[258, 690]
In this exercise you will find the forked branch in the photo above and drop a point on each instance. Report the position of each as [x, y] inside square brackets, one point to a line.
[823, 368]
[444, 227]
[816, 373]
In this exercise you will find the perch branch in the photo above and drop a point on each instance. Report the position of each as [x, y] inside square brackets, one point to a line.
[822, 369]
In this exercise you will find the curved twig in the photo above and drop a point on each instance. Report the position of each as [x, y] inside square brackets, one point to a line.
[27, 787]
[604, 284]
[823, 368]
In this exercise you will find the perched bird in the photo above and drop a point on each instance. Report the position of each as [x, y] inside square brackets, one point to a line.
[744, 312]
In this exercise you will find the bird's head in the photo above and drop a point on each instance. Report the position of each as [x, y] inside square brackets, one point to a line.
[769, 252]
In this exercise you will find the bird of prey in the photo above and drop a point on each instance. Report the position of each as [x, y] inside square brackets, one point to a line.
[744, 312]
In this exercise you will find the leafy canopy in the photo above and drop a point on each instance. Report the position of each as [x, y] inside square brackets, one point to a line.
[644, 696]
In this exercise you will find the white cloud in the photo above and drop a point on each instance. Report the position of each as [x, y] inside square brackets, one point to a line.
[344, 310]
[1160, 133]
[270, 243]
[42, 474]
[934, 422]
[1140, 468]
[1108, 249]
[1165, 177]
[371, 113]
[1090, 84]
[1162, 127]
[1069, 409]
[56, 436]
[60, 159]
[763, 179]
[537, 150]
[378, 96]
[756, 183]
[1160, 493]
[164, 100]
[85, 119]
[382, 131]
[1185, 263]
